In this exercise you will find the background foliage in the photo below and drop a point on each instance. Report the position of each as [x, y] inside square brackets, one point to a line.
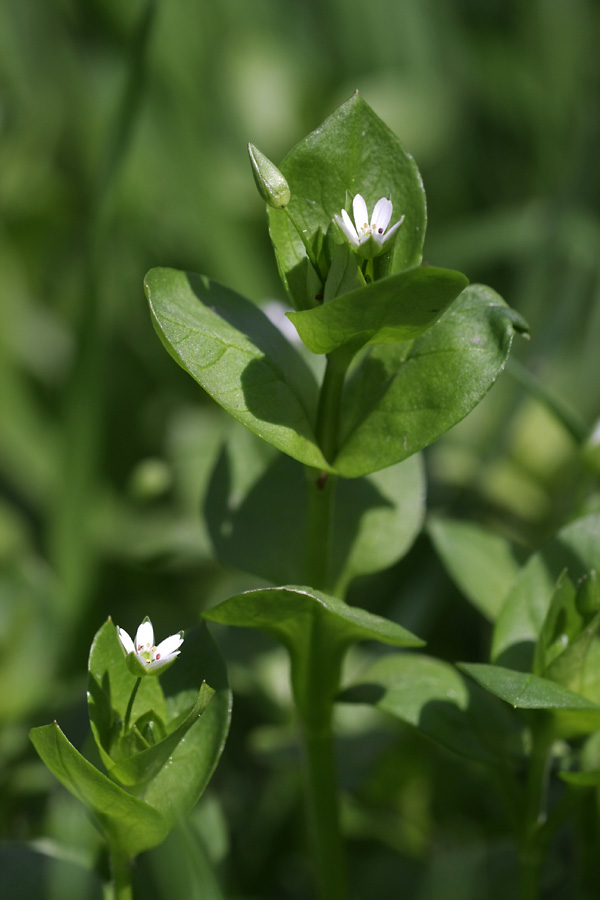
[123, 147]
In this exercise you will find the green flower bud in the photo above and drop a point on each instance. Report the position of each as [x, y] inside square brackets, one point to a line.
[271, 184]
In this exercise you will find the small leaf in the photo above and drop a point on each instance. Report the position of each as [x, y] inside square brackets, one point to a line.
[176, 788]
[398, 308]
[239, 357]
[351, 152]
[481, 563]
[401, 397]
[440, 702]
[129, 824]
[110, 684]
[140, 768]
[574, 713]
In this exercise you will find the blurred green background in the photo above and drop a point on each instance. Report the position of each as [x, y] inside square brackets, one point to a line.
[123, 131]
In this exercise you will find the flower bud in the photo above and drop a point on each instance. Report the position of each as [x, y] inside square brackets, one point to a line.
[271, 184]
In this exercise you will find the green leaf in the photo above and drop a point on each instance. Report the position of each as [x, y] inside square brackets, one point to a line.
[110, 684]
[304, 619]
[440, 702]
[176, 788]
[481, 563]
[401, 397]
[282, 612]
[376, 518]
[239, 357]
[398, 308]
[140, 768]
[351, 152]
[575, 714]
[175, 770]
[129, 824]
[575, 549]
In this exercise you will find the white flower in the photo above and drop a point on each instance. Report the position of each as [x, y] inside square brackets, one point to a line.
[143, 657]
[369, 237]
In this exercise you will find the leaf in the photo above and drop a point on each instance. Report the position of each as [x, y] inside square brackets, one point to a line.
[576, 550]
[351, 152]
[434, 697]
[181, 765]
[281, 611]
[233, 351]
[480, 562]
[176, 788]
[110, 684]
[129, 823]
[376, 519]
[575, 714]
[304, 620]
[398, 308]
[401, 397]
[140, 768]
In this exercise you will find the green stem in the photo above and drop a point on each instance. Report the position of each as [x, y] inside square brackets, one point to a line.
[321, 780]
[121, 875]
[532, 841]
[316, 671]
[130, 705]
[303, 235]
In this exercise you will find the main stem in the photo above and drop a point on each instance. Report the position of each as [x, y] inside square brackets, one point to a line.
[531, 842]
[121, 875]
[313, 674]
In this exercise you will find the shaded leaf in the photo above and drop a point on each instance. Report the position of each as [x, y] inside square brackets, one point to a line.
[376, 519]
[576, 550]
[434, 697]
[480, 562]
[239, 357]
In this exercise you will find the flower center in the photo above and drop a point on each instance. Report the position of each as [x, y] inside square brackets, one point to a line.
[147, 652]
[367, 230]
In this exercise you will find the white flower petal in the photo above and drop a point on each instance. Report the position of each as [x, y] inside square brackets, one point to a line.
[126, 642]
[381, 215]
[155, 664]
[169, 647]
[144, 635]
[347, 227]
[361, 214]
[393, 229]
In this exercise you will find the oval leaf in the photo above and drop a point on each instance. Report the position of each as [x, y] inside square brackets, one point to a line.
[422, 390]
[398, 308]
[239, 357]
